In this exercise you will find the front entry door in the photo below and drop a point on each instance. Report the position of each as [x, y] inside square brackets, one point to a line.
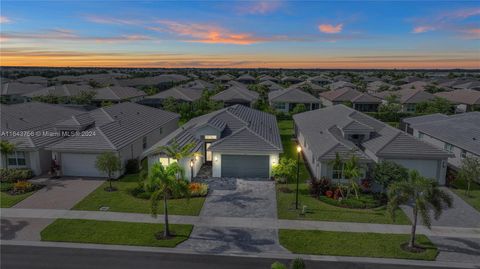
[208, 153]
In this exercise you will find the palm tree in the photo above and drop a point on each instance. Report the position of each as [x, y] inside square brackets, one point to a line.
[424, 193]
[175, 151]
[337, 164]
[6, 148]
[164, 182]
[352, 172]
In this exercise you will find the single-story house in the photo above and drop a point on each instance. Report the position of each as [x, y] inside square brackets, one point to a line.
[272, 86]
[458, 134]
[224, 78]
[126, 129]
[360, 101]
[291, 80]
[163, 81]
[236, 141]
[246, 79]
[408, 98]
[181, 94]
[237, 93]
[33, 122]
[268, 77]
[286, 100]
[465, 100]
[378, 86]
[34, 80]
[64, 91]
[323, 133]
[340, 84]
[117, 94]
[199, 84]
[12, 92]
[320, 80]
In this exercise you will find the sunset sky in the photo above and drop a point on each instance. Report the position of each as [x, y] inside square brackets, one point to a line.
[238, 34]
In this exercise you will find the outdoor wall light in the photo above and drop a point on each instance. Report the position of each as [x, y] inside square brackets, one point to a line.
[216, 158]
[299, 149]
[191, 163]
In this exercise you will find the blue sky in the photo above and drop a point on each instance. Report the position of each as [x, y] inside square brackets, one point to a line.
[336, 34]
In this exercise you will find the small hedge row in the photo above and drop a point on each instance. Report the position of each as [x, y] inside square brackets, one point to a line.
[12, 175]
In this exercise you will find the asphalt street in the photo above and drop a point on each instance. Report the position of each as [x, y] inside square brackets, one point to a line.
[20, 257]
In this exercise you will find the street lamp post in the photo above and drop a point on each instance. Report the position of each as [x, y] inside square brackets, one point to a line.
[191, 169]
[299, 149]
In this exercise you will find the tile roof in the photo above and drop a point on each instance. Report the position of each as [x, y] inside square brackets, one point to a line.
[17, 88]
[178, 93]
[292, 95]
[461, 130]
[468, 97]
[236, 92]
[408, 96]
[117, 93]
[348, 94]
[243, 129]
[323, 130]
[66, 90]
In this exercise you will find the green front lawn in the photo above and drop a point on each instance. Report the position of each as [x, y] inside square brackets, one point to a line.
[459, 187]
[113, 232]
[318, 210]
[123, 201]
[355, 244]
[7, 200]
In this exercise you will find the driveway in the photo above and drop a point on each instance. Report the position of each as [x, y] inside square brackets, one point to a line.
[460, 215]
[237, 198]
[61, 193]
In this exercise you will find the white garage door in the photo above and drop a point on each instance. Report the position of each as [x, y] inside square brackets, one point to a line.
[77, 164]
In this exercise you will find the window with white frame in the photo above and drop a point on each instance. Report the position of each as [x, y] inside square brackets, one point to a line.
[337, 172]
[17, 159]
[448, 147]
[463, 155]
[279, 105]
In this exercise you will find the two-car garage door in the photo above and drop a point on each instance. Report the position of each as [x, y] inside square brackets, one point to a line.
[246, 166]
[77, 164]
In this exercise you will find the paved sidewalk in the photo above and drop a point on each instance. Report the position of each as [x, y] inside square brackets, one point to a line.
[231, 222]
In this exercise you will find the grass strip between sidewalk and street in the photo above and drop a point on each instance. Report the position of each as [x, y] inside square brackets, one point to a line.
[373, 245]
[113, 232]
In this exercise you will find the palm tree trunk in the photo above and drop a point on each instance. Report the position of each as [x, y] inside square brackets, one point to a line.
[414, 228]
[166, 231]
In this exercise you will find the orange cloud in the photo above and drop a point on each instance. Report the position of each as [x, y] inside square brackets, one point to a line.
[422, 29]
[4, 19]
[472, 33]
[330, 29]
[205, 33]
[259, 7]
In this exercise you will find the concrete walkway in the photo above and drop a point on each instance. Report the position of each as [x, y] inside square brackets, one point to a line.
[235, 222]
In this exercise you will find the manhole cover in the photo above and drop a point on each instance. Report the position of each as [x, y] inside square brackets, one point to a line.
[104, 208]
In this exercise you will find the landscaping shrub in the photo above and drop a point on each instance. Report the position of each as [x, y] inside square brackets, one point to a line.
[198, 189]
[278, 265]
[317, 187]
[6, 186]
[131, 167]
[12, 175]
[297, 263]
[22, 186]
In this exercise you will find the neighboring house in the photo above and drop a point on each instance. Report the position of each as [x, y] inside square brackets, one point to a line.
[181, 94]
[236, 141]
[126, 129]
[12, 92]
[291, 80]
[117, 94]
[33, 123]
[286, 100]
[34, 80]
[323, 133]
[363, 102]
[466, 100]
[408, 98]
[64, 91]
[418, 85]
[471, 85]
[458, 134]
[320, 80]
[246, 79]
[340, 84]
[268, 77]
[237, 93]
[310, 87]
[272, 86]
[199, 84]
[224, 78]
[378, 85]
[164, 81]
